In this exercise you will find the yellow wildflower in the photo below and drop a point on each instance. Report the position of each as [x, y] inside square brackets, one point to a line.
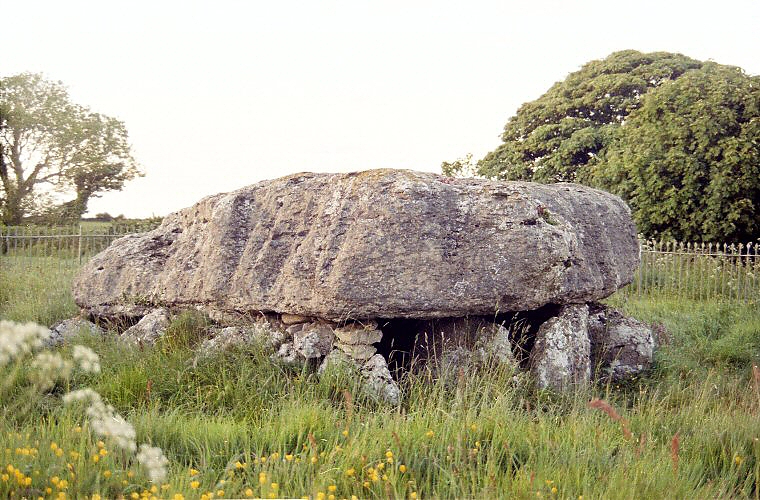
[194, 484]
[402, 468]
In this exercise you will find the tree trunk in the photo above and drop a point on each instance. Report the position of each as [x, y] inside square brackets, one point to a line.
[12, 214]
[73, 210]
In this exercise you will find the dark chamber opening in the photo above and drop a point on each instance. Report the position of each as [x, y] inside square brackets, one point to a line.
[406, 340]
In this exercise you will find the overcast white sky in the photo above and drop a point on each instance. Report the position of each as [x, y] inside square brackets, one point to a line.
[224, 93]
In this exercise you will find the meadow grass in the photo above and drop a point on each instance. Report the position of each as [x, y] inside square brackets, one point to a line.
[237, 424]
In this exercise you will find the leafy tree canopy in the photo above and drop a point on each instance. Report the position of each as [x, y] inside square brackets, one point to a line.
[677, 138]
[688, 160]
[45, 139]
[554, 137]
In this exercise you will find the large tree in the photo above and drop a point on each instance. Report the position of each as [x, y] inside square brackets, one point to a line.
[688, 160]
[677, 138]
[45, 139]
[556, 136]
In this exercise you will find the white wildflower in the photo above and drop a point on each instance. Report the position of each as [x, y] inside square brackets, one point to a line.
[104, 420]
[88, 361]
[84, 395]
[17, 339]
[47, 367]
[154, 461]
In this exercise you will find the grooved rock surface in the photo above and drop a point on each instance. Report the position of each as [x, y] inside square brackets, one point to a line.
[622, 346]
[561, 356]
[373, 244]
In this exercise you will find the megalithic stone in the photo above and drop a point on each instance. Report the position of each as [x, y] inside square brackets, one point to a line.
[372, 244]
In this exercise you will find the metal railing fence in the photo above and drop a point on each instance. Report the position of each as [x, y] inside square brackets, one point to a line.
[699, 271]
[59, 248]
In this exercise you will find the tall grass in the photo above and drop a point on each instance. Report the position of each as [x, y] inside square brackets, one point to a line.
[250, 426]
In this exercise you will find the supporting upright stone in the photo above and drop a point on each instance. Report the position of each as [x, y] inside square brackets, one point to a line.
[561, 355]
[621, 346]
[149, 329]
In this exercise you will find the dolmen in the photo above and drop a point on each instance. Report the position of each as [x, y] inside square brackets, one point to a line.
[343, 268]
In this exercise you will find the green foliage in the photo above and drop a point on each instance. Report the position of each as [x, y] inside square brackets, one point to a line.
[47, 140]
[479, 436]
[462, 167]
[677, 138]
[223, 415]
[553, 138]
[688, 161]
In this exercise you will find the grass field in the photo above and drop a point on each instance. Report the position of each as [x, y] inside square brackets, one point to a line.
[240, 425]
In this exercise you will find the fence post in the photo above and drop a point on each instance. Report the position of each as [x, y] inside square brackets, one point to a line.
[79, 247]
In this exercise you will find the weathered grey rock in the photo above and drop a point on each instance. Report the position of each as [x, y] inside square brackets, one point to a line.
[237, 336]
[359, 352]
[374, 244]
[378, 380]
[621, 346]
[287, 354]
[337, 359]
[560, 357]
[293, 319]
[149, 329]
[359, 333]
[293, 329]
[491, 343]
[68, 328]
[456, 344]
[314, 340]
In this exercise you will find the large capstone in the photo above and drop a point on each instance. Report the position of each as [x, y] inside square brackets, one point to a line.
[374, 244]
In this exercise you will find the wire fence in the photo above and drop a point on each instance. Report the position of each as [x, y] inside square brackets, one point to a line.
[698, 271]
